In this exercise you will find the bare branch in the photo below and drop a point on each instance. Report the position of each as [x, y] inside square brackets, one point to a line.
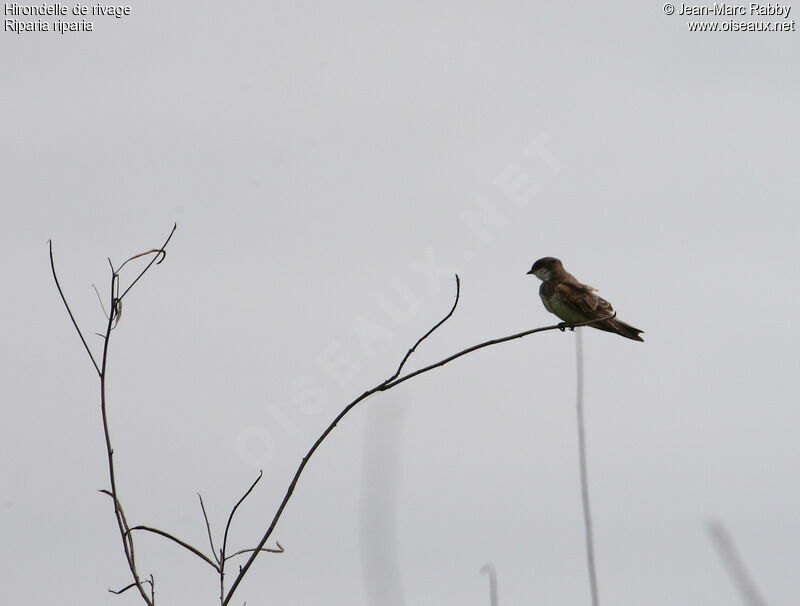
[222, 558]
[429, 333]
[384, 386]
[233, 512]
[560, 326]
[152, 261]
[183, 544]
[123, 590]
[122, 523]
[280, 549]
[123, 519]
[100, 300]
[69, 311]
[208, 529]
[150, 581]
[161, 252]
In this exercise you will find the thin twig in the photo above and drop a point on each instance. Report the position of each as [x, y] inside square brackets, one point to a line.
[100, 300]
[280, 549]
[69, 311]
[161, 252]
[124, 522]
[222, 552]
[734, 564]
[384, 386]
[153, 260]
[208, 529]
[149, 581]
[428, 334]
[124, 589]
[585, 501]
[233, 511]
[183, 544]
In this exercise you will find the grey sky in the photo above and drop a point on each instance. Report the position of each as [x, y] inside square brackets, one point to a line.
[329, 167]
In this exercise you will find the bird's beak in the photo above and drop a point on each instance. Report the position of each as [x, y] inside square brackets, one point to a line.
[530, 272]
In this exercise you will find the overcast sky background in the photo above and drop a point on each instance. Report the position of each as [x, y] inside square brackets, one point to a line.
[330, 166]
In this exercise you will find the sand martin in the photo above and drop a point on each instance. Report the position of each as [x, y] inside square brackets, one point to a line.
[572, 301]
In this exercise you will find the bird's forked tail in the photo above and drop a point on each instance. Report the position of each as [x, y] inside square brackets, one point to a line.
[619, 327]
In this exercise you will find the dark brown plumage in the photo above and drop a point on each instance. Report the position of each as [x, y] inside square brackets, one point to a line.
[572, 301]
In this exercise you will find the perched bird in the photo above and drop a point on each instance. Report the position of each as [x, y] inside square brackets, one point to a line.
[572, 301]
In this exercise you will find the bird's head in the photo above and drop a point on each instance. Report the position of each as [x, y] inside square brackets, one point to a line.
[545, 267]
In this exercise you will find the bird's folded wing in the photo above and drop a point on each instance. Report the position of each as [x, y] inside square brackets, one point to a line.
[582, 298]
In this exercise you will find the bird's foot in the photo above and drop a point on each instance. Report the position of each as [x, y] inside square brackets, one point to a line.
[562, 326]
